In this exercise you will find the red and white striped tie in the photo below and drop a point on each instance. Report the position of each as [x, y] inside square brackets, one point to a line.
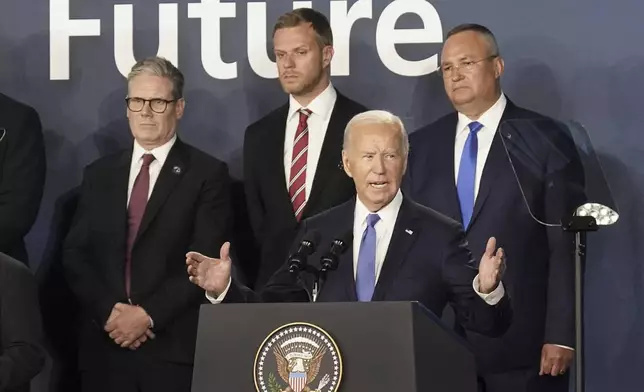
[297, 182]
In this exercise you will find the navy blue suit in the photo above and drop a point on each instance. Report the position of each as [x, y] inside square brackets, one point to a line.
[540, 269]
[427, 261]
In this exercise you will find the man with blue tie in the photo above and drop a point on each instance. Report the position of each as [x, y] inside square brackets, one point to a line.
[459, 167]
[401, 251]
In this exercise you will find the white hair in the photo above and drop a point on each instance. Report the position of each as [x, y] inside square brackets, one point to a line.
[377, 117]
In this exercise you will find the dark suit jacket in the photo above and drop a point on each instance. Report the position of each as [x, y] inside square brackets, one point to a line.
[431, 265]
[22, 174]
[21, 354]
[269, 205]
[188, 210]
[540, 269]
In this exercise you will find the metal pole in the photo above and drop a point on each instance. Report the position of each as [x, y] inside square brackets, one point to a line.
[580, 259]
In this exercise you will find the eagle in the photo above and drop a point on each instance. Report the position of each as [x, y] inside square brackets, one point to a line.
[312, 368]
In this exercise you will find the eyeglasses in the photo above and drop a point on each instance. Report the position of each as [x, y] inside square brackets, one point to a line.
[464, 66]
[158, 105]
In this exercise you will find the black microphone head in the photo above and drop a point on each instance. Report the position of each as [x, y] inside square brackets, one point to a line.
[297, 261]
[339, 245]
[342, 243]
[309, 242]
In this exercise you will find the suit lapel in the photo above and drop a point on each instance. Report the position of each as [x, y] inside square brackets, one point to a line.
[345, 265]
[274, 162]
[329, 161]
[445, 171]
[115, 194]
[174, 168]
[496, 159]
[401, 242]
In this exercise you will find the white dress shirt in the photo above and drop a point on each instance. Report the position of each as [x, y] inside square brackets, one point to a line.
[384, 229]
[321, 108]
[160, 155]
[490, 121]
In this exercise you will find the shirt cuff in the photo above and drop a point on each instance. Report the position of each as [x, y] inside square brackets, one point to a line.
[566, 347]
[217, 300]
[492, 298]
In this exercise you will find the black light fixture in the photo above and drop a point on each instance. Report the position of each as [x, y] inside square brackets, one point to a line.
[587, 217]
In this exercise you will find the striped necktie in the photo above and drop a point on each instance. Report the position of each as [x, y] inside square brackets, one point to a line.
[297, 182]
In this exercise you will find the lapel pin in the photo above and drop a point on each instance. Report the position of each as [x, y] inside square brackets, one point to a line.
[408, 231]
[176, 170]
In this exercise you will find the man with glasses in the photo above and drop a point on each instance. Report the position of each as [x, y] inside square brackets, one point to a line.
[457, 166]
[140, 211]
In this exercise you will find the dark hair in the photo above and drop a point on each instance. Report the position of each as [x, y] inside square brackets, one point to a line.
[480, 29]
[318, 21]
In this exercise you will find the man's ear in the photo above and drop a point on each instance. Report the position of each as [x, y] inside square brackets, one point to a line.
[346, 165]
[327, 55]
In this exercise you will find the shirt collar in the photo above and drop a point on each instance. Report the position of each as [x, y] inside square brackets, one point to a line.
[388, 213]
[490, 118]
[321, 106]
[160, 153]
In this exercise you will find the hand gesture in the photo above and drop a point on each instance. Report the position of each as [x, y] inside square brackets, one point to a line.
[491, 268]
[210, 274]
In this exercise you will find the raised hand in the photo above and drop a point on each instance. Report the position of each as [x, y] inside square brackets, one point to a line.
[491, 268]
[210, 274]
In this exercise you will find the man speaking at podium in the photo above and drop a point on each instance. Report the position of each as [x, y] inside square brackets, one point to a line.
[402, 252]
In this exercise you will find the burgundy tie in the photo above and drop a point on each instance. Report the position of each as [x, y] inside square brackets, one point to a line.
[138, 201]
[297, 182]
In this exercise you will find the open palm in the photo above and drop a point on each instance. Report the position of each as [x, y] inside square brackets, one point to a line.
[211, 274]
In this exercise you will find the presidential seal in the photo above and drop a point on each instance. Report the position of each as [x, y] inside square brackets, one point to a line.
[298, 357]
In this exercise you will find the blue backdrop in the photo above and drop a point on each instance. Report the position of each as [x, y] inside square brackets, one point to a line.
[571, 59]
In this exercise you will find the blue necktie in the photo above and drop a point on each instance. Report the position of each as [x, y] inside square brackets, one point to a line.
[467, 173]
[366, 275]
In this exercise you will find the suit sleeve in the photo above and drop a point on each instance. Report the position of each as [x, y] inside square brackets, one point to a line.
[22, 179]
[564, 192]
[20, 324]
[211, 227]
[87, 286]
[254, 203]
[472, 312]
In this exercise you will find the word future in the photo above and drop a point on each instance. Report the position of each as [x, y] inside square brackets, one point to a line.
[211, 12]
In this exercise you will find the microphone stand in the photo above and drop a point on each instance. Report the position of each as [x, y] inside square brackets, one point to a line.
[580, 225]
[320, 278]
[297, 264]
[329, 262]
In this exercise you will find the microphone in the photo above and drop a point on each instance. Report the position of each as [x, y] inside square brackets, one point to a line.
[330, 260]
[297, 262]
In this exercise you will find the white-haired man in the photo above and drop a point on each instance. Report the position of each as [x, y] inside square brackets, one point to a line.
[401, 251]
